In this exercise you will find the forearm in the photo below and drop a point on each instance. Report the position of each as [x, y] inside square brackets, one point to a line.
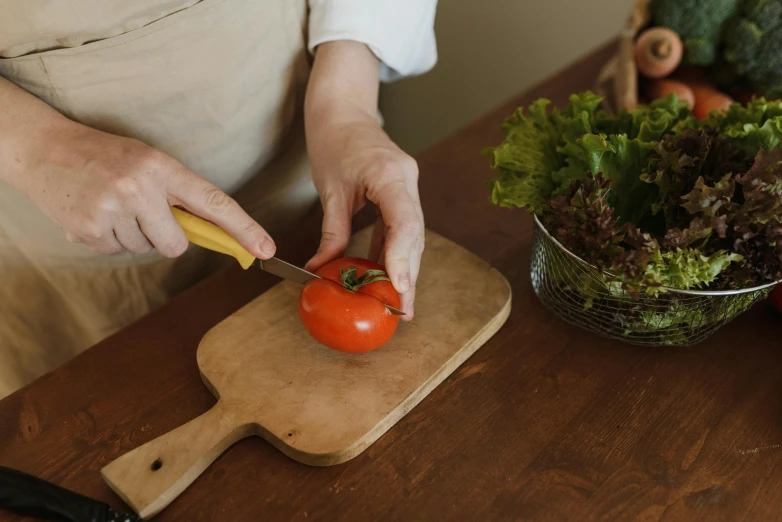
[24, 120]
[343, 83]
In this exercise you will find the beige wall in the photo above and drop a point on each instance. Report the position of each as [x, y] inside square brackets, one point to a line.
[490, 50]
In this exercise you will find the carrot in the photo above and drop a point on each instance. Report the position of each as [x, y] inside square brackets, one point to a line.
[658, 52]
[662, 88]
[708, 98]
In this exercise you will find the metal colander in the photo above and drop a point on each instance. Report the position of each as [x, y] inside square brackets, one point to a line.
[580, 294]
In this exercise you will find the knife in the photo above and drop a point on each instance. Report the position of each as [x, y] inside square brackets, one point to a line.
[208, 235]
[31, 496]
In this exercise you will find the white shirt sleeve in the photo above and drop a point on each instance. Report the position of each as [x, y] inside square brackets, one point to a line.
[399, 32]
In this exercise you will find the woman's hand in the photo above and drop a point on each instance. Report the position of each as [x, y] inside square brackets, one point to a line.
[354, 161]
[106, 191]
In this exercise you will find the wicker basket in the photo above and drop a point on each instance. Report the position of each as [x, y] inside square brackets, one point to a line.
[618, 79]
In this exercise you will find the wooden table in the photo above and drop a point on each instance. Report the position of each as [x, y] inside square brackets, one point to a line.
[545, 421]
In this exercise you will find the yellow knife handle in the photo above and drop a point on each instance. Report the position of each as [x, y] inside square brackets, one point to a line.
[208, 235]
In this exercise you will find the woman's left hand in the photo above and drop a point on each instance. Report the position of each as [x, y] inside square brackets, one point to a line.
[354, 161]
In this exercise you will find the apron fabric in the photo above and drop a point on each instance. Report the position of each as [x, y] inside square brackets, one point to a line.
[216, 84]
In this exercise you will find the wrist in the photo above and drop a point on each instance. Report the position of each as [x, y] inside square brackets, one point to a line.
[27, 128]
[21, 153]
[31, 152]
[336, 112]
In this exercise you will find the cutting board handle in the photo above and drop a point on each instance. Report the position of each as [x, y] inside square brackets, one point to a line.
[149, 477]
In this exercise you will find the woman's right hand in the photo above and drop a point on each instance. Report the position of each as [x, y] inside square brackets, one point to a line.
[114, 194]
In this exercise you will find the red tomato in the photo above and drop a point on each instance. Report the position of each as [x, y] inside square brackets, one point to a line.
[345, 309]
[776, 297]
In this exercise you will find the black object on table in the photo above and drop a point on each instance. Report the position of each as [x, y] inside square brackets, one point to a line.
[31, 496]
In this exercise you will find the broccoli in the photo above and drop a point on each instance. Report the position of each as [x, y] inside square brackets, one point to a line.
[698, 23]
[764, 13]
[753, 45]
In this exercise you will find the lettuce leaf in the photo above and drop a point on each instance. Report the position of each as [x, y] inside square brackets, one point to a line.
[710, 201]
[542, 154]
[752, 127]
[647, 122]
[525, 160]
[582, 220]
[762, 188]
[531, 152]
[682, 160]
[687, 268]
[699, 231]
[756, 226]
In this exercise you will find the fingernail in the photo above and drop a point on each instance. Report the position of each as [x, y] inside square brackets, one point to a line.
[267, 247]
[403, 282]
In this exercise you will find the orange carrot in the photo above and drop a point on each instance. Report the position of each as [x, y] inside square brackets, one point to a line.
[708, 98]
[662, 88]
[658, 51]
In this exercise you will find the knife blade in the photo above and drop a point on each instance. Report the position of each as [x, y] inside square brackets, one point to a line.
[208, 235]
[285, 270]
[30, 496]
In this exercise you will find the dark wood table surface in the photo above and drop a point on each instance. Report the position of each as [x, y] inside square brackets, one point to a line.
[544, 422]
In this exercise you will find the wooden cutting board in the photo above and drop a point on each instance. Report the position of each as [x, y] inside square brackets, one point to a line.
[318, 406]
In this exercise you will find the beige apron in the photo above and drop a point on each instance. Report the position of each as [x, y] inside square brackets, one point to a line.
[217, 84]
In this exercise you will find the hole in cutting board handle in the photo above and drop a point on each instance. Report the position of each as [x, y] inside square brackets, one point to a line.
[156, 465]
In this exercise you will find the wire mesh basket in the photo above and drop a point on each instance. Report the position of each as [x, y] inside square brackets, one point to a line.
[580, 294]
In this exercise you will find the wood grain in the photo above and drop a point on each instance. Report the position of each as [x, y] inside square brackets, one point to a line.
[318, 406]
[545, 422]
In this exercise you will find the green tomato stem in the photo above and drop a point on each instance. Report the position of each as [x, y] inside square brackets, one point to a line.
[352, 282]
